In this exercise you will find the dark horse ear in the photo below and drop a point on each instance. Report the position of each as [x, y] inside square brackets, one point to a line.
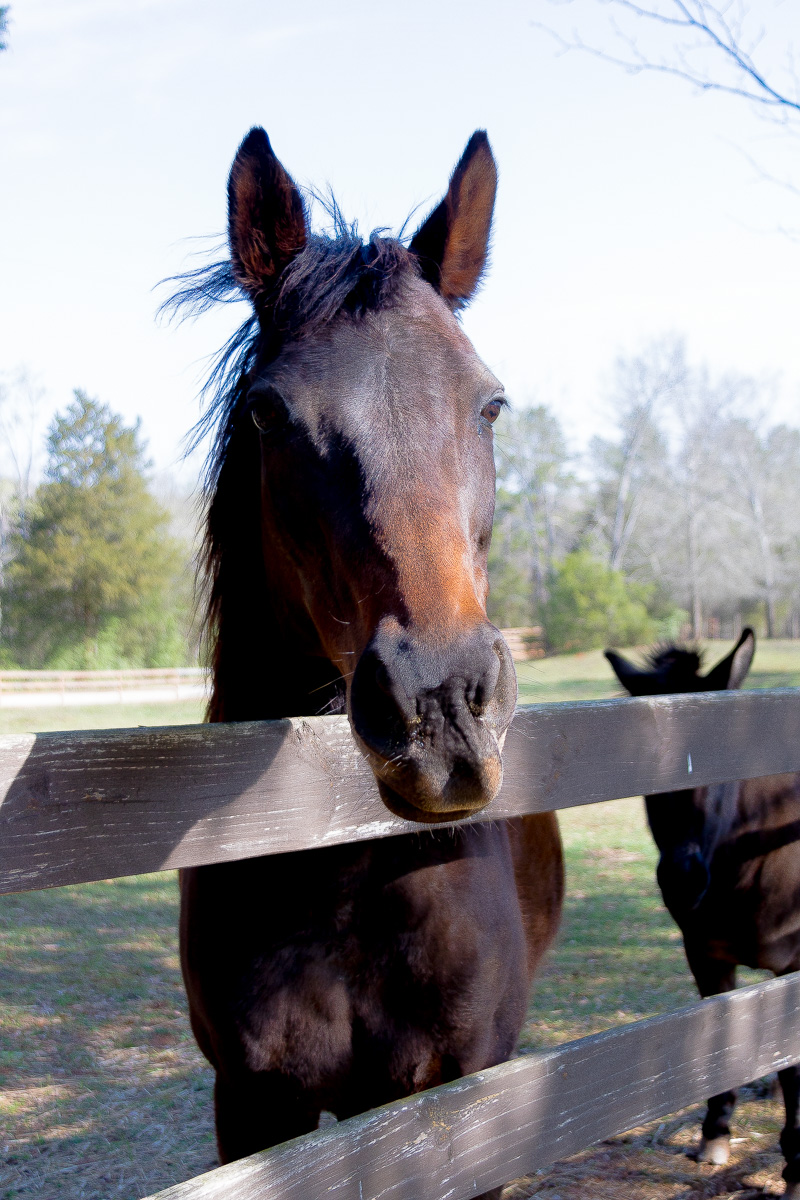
[453, 243]
[266, 219]
[633, 679]
[729, 673]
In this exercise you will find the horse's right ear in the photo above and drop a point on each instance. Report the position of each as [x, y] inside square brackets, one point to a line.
[266, 219]
[452, 244]
[633, 679]
[729, 673]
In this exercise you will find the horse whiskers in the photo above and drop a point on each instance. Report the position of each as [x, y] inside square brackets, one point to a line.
[372, 595]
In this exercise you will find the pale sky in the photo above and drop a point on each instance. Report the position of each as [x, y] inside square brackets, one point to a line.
[627, 206]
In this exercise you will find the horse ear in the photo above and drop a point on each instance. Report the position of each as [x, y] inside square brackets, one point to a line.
[452, 244]
[729, 673]
[266, 219]
[633, 679]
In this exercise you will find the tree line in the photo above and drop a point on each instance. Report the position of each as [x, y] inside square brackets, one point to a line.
[684, 522]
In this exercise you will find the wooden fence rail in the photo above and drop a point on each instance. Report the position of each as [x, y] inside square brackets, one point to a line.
[81, 806]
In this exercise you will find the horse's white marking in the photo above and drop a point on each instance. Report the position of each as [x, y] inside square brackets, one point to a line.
[689, 763]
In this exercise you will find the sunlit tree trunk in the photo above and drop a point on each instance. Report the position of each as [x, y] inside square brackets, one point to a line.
[695, 599]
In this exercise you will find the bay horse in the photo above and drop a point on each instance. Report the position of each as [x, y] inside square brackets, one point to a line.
[350, 504]
[729, 873]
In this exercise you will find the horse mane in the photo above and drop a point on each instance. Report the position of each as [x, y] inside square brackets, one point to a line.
[678, 664]
[334, 273]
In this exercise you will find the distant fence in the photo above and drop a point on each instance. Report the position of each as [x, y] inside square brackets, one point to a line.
[158, 685]
[43, 689]
[525, 643]
[38, 689]
[84, 806]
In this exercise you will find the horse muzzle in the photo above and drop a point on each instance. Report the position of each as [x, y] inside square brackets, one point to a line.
[431, 716]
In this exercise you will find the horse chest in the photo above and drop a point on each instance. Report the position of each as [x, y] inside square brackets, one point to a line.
[297, 955]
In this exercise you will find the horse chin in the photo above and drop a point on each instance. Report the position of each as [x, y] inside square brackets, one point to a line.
[410, 812]
[418, 795]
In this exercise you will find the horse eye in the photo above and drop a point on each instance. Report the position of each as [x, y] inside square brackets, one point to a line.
[491, 411]
[265, 409]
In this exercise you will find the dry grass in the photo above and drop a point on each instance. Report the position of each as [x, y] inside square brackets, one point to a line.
[655, 1163]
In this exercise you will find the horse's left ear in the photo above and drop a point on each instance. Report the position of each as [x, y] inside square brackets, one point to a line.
[633, 679]
[452, 244]
[266, 219]
[729, 673]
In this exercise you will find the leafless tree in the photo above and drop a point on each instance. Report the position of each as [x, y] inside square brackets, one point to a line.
[709, 44]
[21, 397]
[533, 466]
[762, 470]
[695, 494]
[629, 466]
[715, 45]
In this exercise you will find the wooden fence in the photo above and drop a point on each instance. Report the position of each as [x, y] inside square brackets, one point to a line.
[35, 689]
[83, 806]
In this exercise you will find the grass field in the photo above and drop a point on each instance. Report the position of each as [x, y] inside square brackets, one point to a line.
[104, 1094]
[99, 716]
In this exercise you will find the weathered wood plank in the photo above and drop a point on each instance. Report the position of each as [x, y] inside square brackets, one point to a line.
[82, 806]
[456, 1141]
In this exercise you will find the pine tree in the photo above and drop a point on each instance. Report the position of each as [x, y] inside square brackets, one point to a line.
[95, 578]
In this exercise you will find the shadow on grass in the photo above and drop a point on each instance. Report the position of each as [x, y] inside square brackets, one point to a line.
[103, 1089]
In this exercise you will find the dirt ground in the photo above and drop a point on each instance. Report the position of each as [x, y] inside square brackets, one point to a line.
[655, 1161]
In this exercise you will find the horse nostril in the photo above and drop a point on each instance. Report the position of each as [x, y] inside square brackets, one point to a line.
[480, 693]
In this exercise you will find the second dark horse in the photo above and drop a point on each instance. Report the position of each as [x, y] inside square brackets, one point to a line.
[350, 508]
[729, 872]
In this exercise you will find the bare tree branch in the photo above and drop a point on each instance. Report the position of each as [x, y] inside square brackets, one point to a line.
[697, 25]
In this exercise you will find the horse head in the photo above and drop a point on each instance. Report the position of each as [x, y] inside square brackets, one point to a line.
[353, 488]
[672, 670]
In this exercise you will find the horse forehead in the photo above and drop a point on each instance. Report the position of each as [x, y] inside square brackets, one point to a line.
[420, 332]
[412, 345]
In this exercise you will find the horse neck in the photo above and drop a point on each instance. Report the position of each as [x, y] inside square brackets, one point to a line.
[266, 661]
[261, 672]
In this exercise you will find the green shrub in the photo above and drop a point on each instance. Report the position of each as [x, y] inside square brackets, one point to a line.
[590, 605]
